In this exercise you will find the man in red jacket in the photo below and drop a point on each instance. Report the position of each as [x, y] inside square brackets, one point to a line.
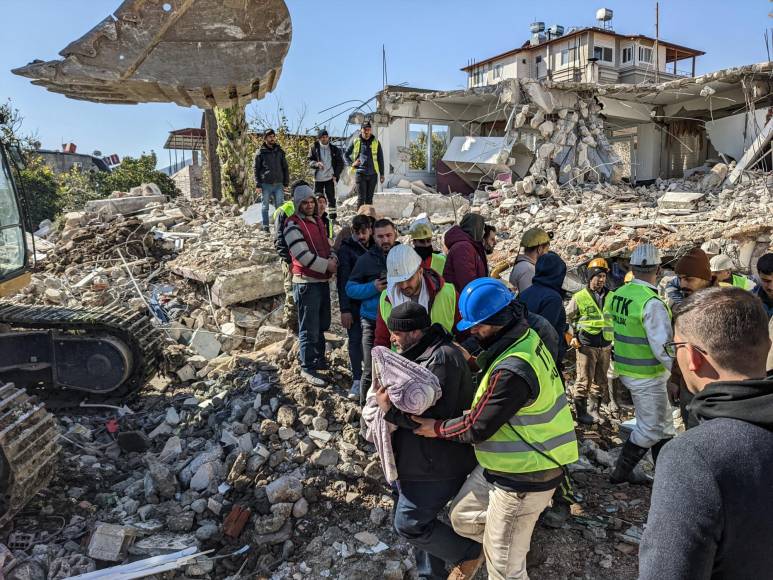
[313, 263]
[407, 281]
[466, 260]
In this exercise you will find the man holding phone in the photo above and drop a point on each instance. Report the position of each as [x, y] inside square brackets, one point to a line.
[366, 282]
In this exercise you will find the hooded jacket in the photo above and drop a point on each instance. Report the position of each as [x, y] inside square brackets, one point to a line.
[348, 254]
[546, 297]
[426, 459]
[718, 478]
[466, 260]
[434, 285]
[369, 267]
[271, 165]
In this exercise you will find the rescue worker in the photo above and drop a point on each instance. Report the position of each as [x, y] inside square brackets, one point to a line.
[421, 234]
[722, 269]
[642, 326]
[408, 281]
[535, 243]
[281, 214]
[592, 341]
[367, 160]
[520, 424]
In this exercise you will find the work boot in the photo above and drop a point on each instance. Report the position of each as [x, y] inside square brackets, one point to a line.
[593, 409]
[466, 570]
[556, 515]
[657, 447]
[624, 469]
[581, 407]
[313, 378]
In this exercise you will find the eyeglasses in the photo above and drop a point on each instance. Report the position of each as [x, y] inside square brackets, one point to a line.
[672, 347]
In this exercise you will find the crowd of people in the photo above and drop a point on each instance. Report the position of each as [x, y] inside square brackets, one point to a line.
[496, 443]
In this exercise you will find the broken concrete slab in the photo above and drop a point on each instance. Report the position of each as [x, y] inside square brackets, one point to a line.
[680, 201]
[205, 343]
[123, 205]
[248, 284]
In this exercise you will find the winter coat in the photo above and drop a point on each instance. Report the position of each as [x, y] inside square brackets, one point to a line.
[546, 297]
[711, 511]
[767, 301]
[271, 166]
[366, 153]
[348, 254]
[427, 459]
[434, 285]
[335, 153]
[361, 287]
[466, 260]
[310, 249]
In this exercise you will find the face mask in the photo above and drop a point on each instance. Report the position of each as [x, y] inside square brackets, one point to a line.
[424, 251]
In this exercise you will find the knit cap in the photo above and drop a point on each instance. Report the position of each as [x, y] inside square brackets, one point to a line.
[300, 193]
[408, 316]
[694, 264]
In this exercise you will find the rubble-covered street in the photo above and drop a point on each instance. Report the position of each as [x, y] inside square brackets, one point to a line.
[232, 454]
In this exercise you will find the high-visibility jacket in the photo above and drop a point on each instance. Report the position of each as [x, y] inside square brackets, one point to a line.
[593, 319]
[373, 150]
[438, 263]
[288, 207]
[743, 282]
[443, 311]
[546, 424]
[632, 352]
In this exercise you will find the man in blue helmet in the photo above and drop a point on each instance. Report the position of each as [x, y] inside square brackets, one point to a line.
[520, 424]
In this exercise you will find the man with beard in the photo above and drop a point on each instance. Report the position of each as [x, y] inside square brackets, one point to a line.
[366, 283]
[421, 234]
[430, 472]
[489, 239]
[407, 281]
[272, 174]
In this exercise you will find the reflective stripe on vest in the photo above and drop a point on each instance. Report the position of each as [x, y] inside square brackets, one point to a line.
[373, 150]
[743, 282]
[546, 424]
[288, 207]
[632, 352]
[438, 264]
[592, 319]
[443, 308]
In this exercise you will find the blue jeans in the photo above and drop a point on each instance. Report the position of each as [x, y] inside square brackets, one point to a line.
[355, 347]
[313, 303]
[272, 193]
[368, 328]
[435, 543]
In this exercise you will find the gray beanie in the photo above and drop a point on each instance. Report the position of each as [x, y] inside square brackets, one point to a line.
[300, 193]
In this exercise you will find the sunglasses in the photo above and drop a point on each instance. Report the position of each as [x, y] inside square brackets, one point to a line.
[672, 347]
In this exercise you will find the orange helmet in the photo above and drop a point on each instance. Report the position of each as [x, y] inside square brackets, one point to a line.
[599, 263]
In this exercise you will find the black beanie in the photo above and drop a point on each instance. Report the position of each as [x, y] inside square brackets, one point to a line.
[593, 272]
[409, 316]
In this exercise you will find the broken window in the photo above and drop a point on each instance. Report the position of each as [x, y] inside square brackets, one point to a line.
[627, 54]
[603, 53]
[499, 71]
[645, 54]
[427, 143]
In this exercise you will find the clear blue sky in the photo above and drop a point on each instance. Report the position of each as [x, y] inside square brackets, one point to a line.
[336, 54]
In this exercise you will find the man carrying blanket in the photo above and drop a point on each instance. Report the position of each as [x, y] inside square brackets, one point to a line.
[429, 471]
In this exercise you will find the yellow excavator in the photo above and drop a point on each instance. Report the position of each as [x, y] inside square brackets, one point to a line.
[203, 53]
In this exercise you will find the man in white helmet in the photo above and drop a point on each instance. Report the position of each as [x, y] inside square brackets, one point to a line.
[722, 267]
[642, 327]
[407, 281]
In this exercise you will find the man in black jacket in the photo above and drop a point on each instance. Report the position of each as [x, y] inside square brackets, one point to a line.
[711, 514]
[430, 471]
[327, 162]
[272, 174]
[366, 157]
[352, 247]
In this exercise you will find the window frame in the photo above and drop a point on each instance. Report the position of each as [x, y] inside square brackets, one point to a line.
[603, 50]
[428, 166]
[641, 51]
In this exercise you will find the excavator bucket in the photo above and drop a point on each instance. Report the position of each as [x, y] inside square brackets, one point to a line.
[202, 53]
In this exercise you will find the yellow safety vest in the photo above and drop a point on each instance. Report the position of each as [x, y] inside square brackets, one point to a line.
[443, 308]
[438, 264]
[545, 425]
[743, 282]
[593, 319]
[373, 150]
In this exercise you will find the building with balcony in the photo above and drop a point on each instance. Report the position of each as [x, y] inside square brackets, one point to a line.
[595, 54]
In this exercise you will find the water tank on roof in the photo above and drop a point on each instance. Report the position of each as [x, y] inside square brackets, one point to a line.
[556, 30]
[537, 27]
[604, 14]
[536, 39]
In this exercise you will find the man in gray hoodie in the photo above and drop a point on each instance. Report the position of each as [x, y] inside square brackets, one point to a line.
[711, 514]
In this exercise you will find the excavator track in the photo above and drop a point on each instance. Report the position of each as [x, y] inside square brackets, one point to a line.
[124, 330]
[28, 450]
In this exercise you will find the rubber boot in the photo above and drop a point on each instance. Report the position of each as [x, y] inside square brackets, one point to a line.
[624, 470]
[593, 409]
[581, 406]
[657, 447]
